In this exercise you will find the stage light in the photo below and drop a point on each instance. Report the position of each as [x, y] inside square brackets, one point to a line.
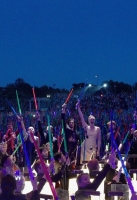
[105, 85]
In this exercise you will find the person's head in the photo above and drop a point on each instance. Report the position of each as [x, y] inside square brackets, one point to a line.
[48, 146]
[71, 123]
[111, 123]
[91, 120]
[135, 133]
[44, 149]
[38, 167]
[132, 130]
[3, 147]
[51, 128]
[20, 184]
[6, 161]
[83, 180]
[8, 184]
[31, 130]
[93, 165]
[10, 126]
[59, 157]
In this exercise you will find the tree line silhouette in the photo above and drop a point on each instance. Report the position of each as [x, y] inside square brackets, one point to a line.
[25, 91]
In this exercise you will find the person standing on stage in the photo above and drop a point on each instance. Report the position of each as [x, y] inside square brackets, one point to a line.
[30, 148]
[72, 137]
[44, 136]
[92, 143]
[113, 130]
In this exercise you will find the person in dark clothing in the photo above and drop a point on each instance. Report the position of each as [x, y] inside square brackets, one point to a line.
[40, 173]
[83, 180]
[113, 130]
[44, 138]
[110, 180]
[30, 148]
[8, 186]
[71, 135]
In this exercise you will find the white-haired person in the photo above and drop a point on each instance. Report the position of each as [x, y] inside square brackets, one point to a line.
[90, 147]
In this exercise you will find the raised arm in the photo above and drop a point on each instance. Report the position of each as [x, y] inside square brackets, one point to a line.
[84, 124]
[20, 119]
[44, 139]
[63, 115]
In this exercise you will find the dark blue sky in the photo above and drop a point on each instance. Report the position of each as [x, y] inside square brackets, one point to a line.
[61, 42]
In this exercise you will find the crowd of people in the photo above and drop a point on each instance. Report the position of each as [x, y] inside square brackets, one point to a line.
[86, 129]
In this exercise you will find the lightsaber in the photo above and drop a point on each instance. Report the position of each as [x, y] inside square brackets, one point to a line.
[18, 102]
[23, 143]
[35, 101]
[69, 96]
[45, 169]
[50, 140]
[125, 137]
[11, 107]
[16, 148]
[64, 138]
[124, 168]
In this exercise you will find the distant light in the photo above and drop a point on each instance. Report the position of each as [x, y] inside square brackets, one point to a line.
[101, 95]
[90, 85]
[104, 85]
[48, 95]
[33, 115]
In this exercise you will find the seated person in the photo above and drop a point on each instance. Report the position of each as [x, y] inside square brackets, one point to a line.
[110, 180]
[40, 172]
[20, 185]
[8, 186]
[8, 166]
[83, 180]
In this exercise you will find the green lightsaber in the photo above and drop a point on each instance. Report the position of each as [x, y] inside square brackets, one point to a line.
[18, 102]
